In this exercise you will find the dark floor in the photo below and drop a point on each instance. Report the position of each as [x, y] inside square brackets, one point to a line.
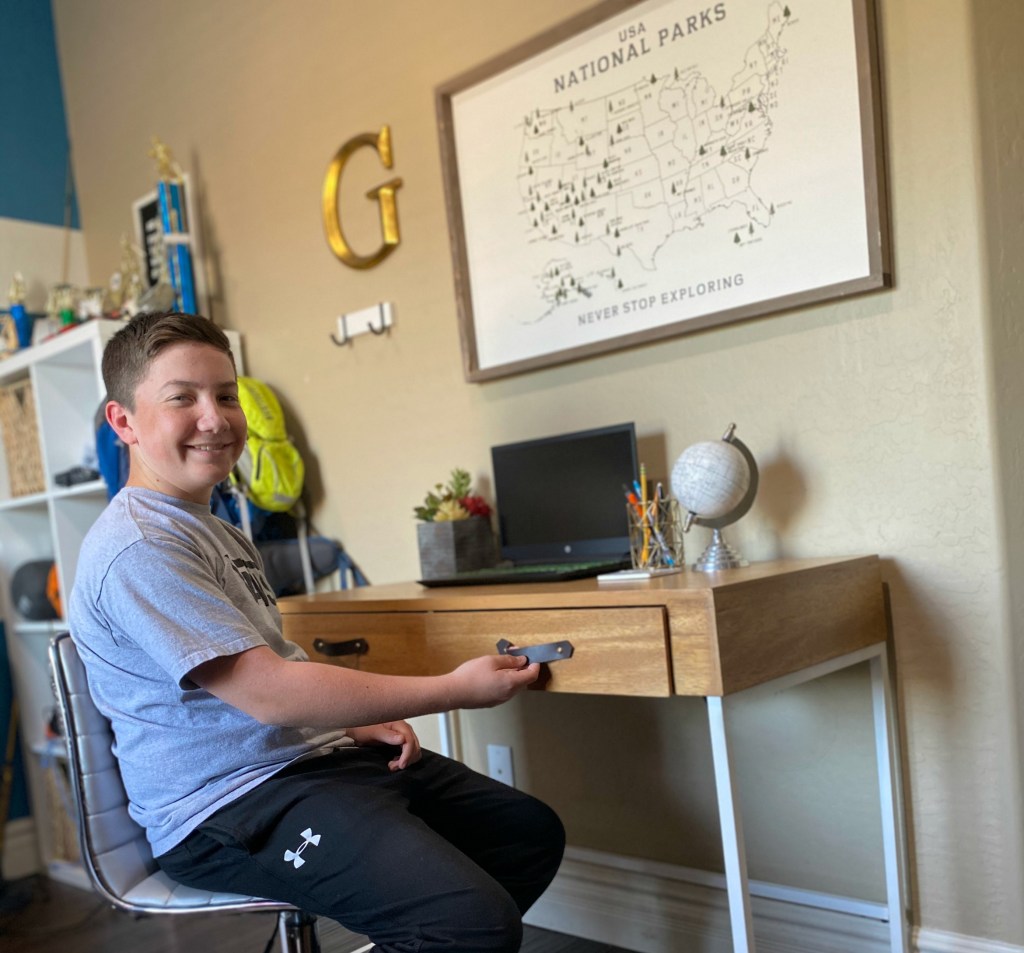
[38, 915]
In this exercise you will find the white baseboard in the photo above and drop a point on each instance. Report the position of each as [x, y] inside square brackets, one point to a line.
[934, 941]
[658, 908]
[21, 852]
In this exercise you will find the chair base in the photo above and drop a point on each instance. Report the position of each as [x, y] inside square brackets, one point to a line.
[296, 931]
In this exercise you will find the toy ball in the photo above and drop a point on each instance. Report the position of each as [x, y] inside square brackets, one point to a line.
[29, 591]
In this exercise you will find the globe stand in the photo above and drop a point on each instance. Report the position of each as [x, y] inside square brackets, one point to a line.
[719, 555]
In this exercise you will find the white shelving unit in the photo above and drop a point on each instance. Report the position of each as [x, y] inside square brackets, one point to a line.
[67, 385]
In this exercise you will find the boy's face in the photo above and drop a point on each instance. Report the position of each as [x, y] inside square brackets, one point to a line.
[187, 430]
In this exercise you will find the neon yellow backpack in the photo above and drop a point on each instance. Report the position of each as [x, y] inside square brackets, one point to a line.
[270, 471]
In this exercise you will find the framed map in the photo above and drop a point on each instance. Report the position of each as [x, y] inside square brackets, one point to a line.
[652, 168]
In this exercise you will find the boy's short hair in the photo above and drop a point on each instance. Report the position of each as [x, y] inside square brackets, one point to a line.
[129, 353]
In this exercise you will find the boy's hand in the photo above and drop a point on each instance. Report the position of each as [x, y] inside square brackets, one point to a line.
[491, 679]
[397, 733]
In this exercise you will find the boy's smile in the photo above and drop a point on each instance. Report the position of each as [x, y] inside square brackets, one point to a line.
[187, 430]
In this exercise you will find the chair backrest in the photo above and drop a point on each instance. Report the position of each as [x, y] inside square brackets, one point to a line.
[115, 851]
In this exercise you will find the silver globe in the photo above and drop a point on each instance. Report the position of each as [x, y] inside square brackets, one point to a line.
[716, 482]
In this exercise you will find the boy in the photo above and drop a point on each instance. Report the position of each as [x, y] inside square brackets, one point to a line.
[228, 737]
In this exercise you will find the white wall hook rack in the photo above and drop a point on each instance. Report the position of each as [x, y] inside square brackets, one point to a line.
[376, 319]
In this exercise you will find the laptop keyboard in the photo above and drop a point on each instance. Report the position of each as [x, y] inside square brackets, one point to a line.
[527, 573]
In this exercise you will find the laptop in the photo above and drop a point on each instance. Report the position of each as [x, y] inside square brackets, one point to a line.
[561, 507]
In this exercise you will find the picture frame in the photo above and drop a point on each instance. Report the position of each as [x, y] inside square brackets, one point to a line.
[149, 236]
[650, 168]
[151, 240]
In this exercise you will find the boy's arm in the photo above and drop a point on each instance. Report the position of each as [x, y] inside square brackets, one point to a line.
[316, 695]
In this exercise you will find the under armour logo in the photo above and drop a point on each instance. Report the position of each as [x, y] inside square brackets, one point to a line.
[295, 856]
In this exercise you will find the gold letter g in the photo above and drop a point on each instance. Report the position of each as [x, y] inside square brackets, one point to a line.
[383, 194]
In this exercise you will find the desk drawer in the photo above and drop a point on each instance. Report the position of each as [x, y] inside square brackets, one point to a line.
[616, 651]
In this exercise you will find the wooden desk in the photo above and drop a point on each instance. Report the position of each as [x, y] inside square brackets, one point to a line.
[772, 624]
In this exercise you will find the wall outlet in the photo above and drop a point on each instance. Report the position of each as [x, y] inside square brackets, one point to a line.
[499, 764]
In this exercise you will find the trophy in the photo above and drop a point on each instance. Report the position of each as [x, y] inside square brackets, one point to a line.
[174, 220]
[126, 284]
[64, 304]
[19, 316]
[8, 336]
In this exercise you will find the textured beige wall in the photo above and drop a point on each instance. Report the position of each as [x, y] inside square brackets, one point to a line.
[996, 39]
[883, 424]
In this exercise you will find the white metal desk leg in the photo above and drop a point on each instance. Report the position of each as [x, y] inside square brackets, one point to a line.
[732, 833]
[888, 790]
[449, 741]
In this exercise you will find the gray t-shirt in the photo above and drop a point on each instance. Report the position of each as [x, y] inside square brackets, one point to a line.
[162, 586]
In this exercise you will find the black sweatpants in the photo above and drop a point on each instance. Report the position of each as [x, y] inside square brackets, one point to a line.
[433, 857]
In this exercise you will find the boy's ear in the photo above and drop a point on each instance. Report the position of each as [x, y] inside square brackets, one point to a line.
[118, 417]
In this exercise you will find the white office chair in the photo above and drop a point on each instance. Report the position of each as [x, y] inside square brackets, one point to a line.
[115, 851]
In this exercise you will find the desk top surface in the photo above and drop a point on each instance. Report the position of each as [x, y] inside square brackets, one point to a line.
[686, 586]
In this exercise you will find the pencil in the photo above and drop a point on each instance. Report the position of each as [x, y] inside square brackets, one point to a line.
[643, 503]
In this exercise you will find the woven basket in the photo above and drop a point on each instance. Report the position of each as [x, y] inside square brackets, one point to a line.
[21, 438]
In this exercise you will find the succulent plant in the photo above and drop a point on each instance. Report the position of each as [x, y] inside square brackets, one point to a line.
[452, 500]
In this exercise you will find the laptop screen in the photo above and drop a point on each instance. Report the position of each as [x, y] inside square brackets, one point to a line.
[562, 498]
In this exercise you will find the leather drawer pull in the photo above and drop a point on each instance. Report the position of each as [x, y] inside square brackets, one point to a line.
[548, 652]
[333, 649]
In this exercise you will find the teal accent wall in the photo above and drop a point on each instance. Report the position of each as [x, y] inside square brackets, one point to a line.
[33, 184]
[33, 131]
